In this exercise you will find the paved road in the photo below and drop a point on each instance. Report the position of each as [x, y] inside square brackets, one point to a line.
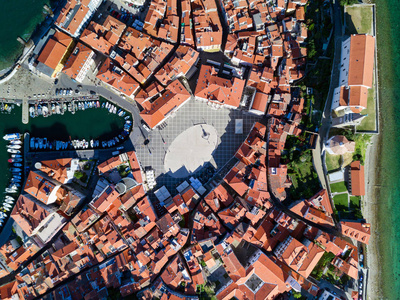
[319, 164]
[323, 284]
[280, 206]
[338, 33]
[125, 103]
[318, 152]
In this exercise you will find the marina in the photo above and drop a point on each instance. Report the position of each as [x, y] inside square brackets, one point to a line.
[16, 169]
[46, 109]
[6, 108]
[68, 131]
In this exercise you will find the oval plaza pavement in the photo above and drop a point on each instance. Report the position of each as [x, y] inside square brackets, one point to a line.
[191, 150]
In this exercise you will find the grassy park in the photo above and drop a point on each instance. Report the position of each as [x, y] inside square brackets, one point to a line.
[338, 187]
[359, 19]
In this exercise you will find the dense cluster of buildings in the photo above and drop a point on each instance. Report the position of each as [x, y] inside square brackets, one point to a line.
[143, 61]
[231, 237]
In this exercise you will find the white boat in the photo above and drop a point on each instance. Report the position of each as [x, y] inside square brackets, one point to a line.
[13, 146]
[45, 111]
[32, 112]
[14, 186]
[12, 136]
[9, 202]
[114, 110]
[7, 208]
[58, 110]
[16, 142]
[16, 156]
[13, 151]
[91, 143]
[9, 198]
[11, 191]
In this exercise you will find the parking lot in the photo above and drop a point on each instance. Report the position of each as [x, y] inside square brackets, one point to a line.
[121, 10]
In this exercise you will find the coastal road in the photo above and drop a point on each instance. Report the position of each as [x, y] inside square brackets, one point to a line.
[125, 103]
[326, 121]
[338, 34]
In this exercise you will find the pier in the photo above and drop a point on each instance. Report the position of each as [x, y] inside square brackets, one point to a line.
[25, 111]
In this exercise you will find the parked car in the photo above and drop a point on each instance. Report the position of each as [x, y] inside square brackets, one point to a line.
[145, 126]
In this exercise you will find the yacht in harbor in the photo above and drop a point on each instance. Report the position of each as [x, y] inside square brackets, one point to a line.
[12, 136]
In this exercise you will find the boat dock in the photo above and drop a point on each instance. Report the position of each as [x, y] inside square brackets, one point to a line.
[25, 111]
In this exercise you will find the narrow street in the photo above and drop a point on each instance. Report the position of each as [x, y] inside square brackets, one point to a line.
[318, 152]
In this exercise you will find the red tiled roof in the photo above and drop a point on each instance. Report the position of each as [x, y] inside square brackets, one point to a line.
[217, 89]
[356, 230]
[357, 178]
[361, 65]
[38, 187]
[77, 60]
[52, 53]
[28, 215]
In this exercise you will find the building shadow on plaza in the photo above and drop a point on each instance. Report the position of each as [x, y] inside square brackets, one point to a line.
[222, 157]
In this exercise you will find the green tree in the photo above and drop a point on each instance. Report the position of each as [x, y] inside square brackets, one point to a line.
[348, 2]
[296, 295]
[78, 175]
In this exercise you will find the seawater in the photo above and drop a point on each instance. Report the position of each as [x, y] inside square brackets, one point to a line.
[388, 162]
[94, 123]
[18, 18]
